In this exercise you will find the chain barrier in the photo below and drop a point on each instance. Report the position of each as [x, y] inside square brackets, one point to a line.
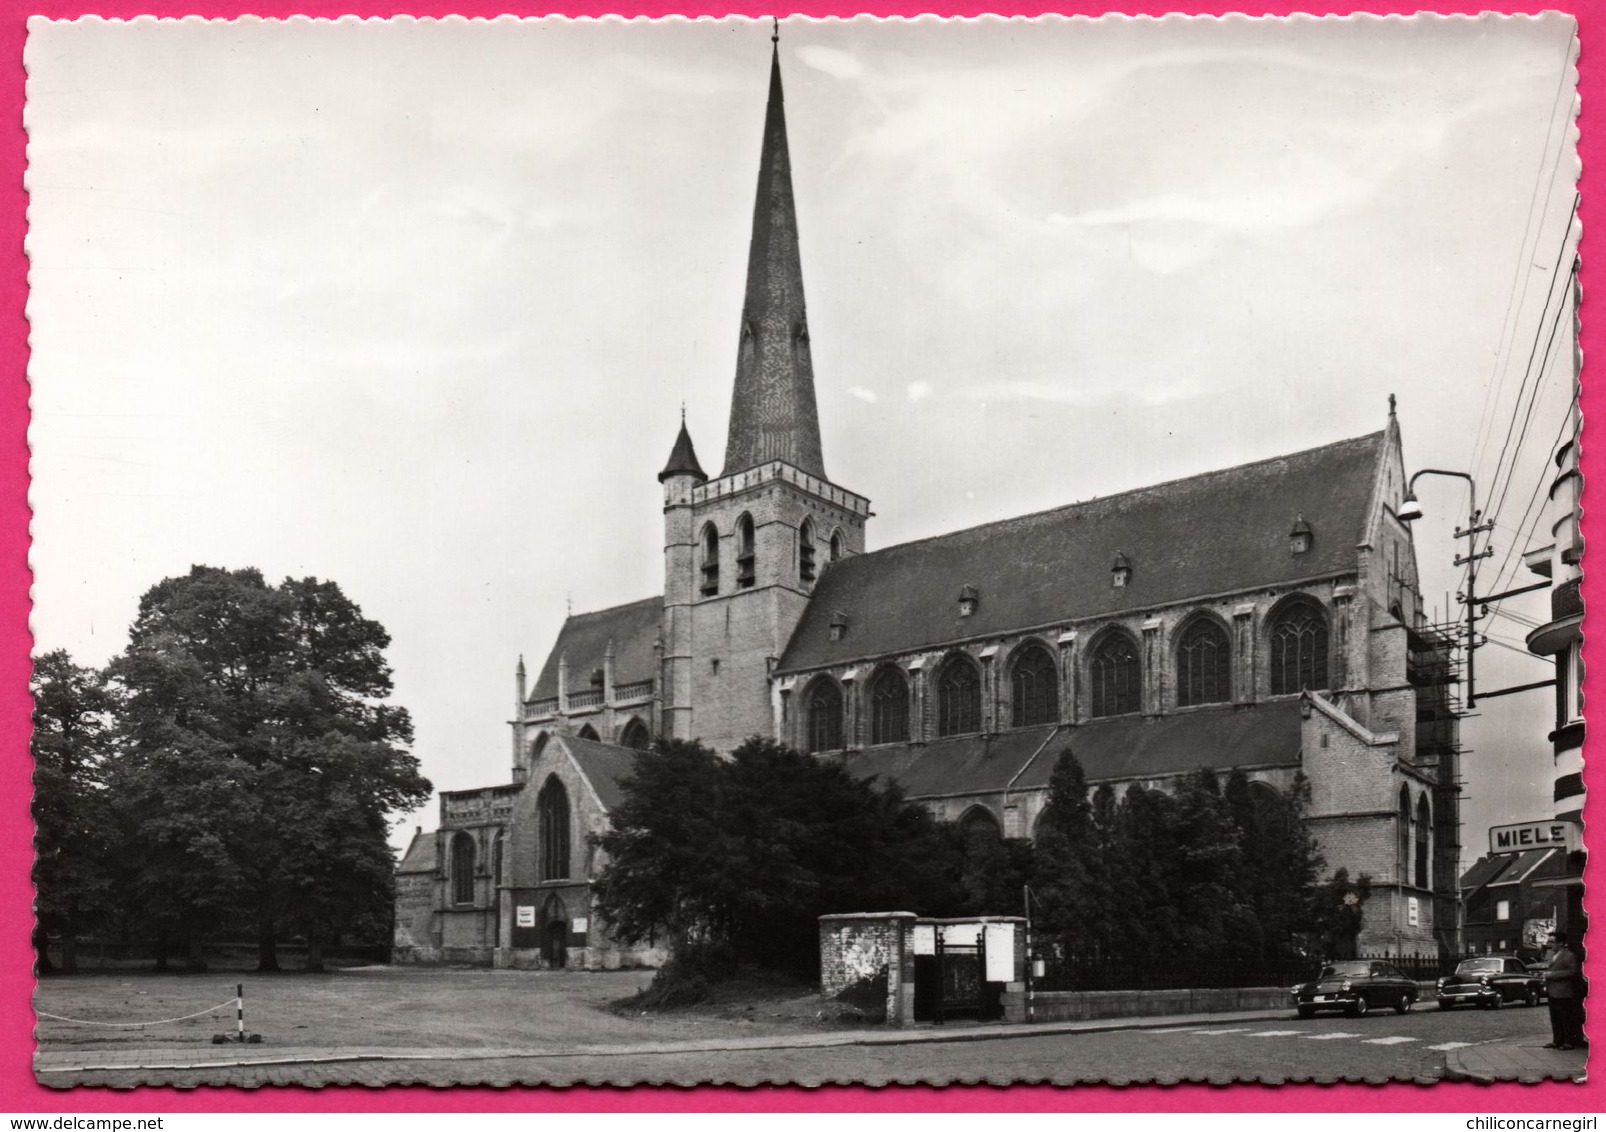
[139, 1025]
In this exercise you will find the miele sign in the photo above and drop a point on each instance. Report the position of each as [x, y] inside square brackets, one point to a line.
[1533, 835]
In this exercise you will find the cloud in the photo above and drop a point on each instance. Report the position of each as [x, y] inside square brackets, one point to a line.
[862, 393]
[837, 64]
[919, 390]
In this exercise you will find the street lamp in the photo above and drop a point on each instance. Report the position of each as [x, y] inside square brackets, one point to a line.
[1410, 510]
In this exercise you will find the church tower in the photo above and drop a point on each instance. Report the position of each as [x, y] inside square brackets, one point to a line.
[742, 552]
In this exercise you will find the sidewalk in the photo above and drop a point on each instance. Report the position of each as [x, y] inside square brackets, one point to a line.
[1523, 1059]
[231, 1055]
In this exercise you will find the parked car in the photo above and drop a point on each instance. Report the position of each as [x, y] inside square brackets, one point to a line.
[1490, 981]
[1355, 986]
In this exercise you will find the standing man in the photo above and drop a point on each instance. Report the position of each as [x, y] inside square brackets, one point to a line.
[1564, 985]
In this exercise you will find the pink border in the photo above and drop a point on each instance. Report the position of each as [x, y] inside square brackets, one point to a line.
[18, 1090]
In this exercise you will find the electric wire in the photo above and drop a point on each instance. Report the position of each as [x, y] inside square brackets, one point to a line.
[1513, 313]
[1530, 374]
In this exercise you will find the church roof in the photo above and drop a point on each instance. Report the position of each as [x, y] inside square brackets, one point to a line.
[1214, 533]
[773, 410]
[420, 855]
[584, 638]
[604, 765]
[682, 458]
[1128, 747]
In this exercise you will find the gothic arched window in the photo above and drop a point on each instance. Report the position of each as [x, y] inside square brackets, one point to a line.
[836, 545]
[1424, 827]
[635, 735]
[889, 707]
[958, 698]
[1298, 648]
[1117, 676]
[824, 706]
[710, 561]
[746, 555]
[462, 868]
[1204, 665]
[588, 732]
[805, 552]
[1403, 848]
[552, 823]
[1034, 688]
[978, 823]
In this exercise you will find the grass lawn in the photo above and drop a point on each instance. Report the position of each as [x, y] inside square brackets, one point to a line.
[397, 1007]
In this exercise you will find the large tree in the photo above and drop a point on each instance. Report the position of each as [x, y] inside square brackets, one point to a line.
[262, 757]
[72, 809]
[746, 853]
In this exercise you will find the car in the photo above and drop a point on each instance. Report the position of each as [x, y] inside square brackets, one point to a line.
[1489, 982]
[1355, 986]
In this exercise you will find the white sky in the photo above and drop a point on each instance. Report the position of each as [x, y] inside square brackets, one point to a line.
[412, 305]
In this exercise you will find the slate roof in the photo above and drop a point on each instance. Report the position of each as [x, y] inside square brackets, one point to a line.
[420, 855]
[1483, 870]
[584, 638]
[682, 458]
[1522, 864]
[1214, 533]
[604, 764]
[1127, 747]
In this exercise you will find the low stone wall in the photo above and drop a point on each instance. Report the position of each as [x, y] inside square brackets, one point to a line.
[1071, 1006]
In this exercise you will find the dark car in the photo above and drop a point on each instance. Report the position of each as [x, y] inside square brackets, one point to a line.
[1355, 986]
[1489, 982]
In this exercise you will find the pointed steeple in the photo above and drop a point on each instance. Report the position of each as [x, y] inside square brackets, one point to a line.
[773, 413]
[683, 458]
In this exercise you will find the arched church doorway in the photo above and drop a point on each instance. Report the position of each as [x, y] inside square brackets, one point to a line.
[554, 934]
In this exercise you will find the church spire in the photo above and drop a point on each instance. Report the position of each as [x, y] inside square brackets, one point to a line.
[773, 413]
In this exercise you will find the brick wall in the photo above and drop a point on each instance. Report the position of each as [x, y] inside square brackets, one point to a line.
[861, 958]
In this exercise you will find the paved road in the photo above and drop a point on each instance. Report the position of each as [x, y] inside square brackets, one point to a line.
[1380, 1047]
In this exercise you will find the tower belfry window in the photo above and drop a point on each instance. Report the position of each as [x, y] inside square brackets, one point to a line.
[746, 557]
[710, 585]
[805, 552]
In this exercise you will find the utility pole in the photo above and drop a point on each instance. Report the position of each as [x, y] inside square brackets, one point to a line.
[1410, 510]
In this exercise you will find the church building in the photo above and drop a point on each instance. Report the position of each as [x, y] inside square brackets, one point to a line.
[1263, 617]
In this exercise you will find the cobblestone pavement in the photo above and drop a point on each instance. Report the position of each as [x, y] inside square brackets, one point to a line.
[1253, 1046]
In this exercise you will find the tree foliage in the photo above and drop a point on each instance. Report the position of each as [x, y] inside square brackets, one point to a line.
[256, 761]
[1213, 869]
[72, 748]
[746, 853]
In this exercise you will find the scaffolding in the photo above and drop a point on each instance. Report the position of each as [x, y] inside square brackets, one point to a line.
[1434, 669]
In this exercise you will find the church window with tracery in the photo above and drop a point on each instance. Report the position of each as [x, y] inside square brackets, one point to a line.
[1204, 665]
[552, 820]
[635, 735]
[1424, 828]
[889, 707]
[463, 868]
[1034, 688]
[958, 698]
[1117, 676]
[1298, 649]
[824, 716]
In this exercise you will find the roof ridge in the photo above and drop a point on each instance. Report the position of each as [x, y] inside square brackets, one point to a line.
[1063, 507]
[612, 608]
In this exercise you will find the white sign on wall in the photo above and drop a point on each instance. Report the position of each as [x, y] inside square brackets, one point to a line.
[1413, 911]
[578, 924]
[525, 916]
[961, 935]
[1000, 953]
[923, 939]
